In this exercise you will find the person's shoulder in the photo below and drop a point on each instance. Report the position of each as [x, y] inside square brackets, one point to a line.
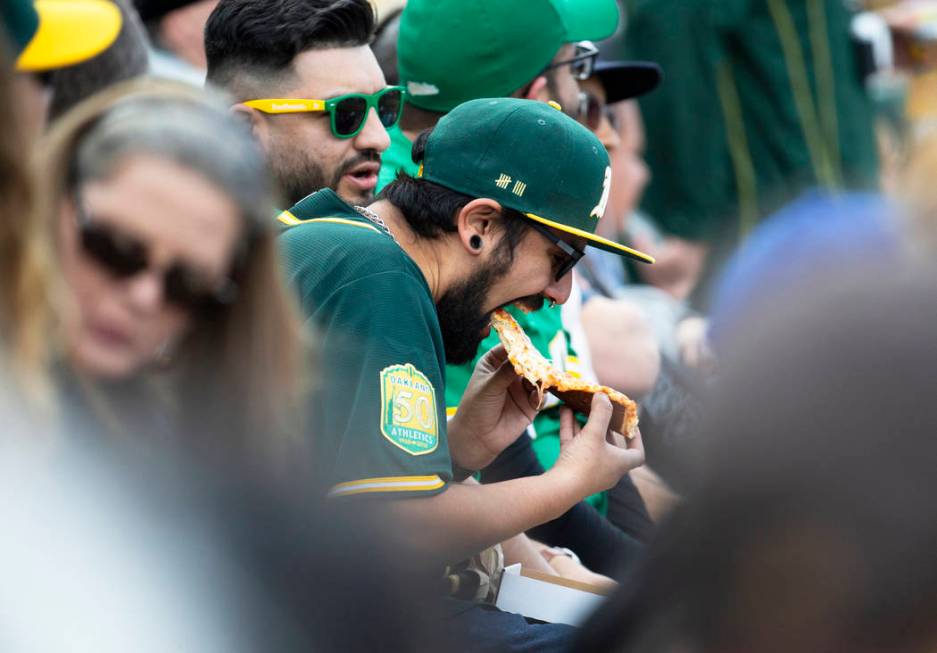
[328, 245]
[335, 230]
[323, 224]
[319, 213]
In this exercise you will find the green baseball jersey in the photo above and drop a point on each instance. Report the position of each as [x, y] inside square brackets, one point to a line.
[376, 414]
[545, 328]
[396, 157]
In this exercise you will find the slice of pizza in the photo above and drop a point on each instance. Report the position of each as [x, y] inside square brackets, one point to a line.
[574, 392]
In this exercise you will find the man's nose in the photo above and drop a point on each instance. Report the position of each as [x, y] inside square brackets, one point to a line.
[373, 136]
[559, 290]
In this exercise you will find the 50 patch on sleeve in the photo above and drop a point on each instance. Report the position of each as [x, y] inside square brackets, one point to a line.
[408, 409]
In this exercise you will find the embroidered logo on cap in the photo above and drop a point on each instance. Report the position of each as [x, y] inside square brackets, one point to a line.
[599, 209]
[422, 88]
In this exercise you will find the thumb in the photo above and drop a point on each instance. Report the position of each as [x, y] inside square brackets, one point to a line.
[566, 426]
[599, 416]
[492, 359]
[498, 354]
[535, 397]
[503, 375]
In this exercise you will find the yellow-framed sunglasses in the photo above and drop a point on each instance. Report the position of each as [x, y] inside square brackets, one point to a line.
[348, 113]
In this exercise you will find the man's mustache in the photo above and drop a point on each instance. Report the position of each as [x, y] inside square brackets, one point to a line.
[364, 157]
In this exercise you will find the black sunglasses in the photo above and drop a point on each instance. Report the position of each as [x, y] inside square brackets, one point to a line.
[573, 255]
[124, 256]
[582, 64]
[590, 110]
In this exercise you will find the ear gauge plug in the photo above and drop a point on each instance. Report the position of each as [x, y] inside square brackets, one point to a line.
[475, 242]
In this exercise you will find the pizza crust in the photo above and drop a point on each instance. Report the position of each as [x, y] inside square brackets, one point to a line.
[574, 392]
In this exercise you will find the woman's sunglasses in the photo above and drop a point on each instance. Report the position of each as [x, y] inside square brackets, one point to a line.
[348, 113]
[124, 256]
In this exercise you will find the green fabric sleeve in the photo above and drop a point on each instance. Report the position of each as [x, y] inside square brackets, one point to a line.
[377, 413]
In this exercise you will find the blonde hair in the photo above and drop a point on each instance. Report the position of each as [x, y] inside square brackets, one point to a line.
[25, 263]
[237, 379]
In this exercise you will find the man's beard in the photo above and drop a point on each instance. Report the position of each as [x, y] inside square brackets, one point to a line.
[461, 318]
[298, 176]
[461, 314]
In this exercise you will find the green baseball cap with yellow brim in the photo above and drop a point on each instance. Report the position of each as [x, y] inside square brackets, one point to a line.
[57, 33]
[452, 51]
[530, 157]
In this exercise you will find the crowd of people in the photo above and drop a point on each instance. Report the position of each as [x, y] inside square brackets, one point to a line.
[251, 398]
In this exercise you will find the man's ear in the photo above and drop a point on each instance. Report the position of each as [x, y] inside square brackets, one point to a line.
[476, 224]
[538, 90]
[259, 127]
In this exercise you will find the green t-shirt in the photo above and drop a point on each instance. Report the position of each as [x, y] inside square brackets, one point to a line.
[545, 328]
[376, 413]
[396, 157]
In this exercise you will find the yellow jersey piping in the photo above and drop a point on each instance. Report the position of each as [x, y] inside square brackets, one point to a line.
[388, 484]
[288, 218]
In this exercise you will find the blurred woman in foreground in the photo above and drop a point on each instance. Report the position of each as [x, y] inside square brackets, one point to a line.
[178, 324]
[174, 317]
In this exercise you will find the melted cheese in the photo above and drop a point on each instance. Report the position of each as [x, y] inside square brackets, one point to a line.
[533, 366]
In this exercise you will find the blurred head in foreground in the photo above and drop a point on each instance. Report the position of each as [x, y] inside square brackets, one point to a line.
[108, 553]
[158, 202]
[811, 526]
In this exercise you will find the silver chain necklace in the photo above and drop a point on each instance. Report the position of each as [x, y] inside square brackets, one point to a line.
[377, 220]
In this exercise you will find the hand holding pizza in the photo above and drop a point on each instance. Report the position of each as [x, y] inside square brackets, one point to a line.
[595, 458]
[493, 413]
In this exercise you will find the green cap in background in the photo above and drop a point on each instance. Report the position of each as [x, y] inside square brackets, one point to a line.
[529, 156]
[452, 51]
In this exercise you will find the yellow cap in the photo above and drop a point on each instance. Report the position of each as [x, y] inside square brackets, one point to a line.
[555, 105]
[70, 31]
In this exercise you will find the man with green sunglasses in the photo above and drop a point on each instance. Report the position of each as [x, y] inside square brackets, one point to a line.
[305, 80]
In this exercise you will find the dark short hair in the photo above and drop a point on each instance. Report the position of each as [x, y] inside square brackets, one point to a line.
[261, 39]
[385, 45]
[430, 209]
